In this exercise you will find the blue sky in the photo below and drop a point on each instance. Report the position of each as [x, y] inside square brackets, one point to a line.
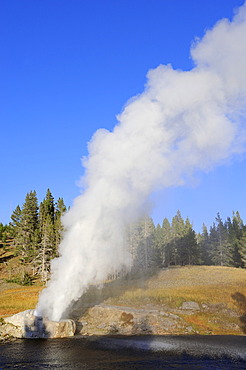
[67, 67]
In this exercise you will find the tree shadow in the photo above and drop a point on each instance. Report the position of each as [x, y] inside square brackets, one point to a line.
[240, 301]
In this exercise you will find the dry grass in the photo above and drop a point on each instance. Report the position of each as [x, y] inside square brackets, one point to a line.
[217, 323]
[203, 284]
[18, 299]
[207, 285]
[220, 292]
[175, 296]
[13, 297]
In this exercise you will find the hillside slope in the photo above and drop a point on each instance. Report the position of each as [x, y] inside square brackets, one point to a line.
[177, 300]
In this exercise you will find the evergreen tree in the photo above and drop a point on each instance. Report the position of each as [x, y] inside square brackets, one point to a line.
[26, 222]
[221, 251]
[189, 253]
[178, 232]
[5, 235]
[47, 207]
[145, 251]
[142, 244]
[204, 246]
[242, 247]
[159, 244]
[167, 249]
[47, 236]
[16, 220]
[236, 230]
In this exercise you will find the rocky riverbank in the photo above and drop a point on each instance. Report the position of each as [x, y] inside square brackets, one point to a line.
[181, 300]
[26, 325]
[157, 320]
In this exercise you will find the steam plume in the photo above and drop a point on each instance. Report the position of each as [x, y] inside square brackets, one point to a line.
[184, 121]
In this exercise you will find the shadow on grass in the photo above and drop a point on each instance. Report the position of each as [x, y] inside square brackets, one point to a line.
[240, 301]
[112, 289]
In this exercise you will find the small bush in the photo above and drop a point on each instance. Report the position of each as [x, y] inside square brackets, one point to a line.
[26, 280]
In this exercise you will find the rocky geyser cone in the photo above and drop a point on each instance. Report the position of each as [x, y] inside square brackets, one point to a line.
[27, 325]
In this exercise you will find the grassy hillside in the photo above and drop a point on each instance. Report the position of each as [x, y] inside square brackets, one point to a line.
[203, 284]
[15, 297]
[220, 293]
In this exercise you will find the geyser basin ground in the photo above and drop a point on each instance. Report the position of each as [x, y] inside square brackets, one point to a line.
[26, 325]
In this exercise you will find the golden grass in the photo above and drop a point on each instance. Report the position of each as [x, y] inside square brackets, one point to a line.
[174, 297]
[18, 299]
[211, 285]
[203, 284]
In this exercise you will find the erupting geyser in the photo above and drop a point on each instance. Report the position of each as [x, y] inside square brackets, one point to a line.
[184, 121]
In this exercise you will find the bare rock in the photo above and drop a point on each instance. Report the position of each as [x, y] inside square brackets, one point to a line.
[26, 325]
[193, 306]
[106, 319]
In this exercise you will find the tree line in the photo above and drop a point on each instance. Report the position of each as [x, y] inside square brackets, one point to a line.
[35, 232]
[176, 243]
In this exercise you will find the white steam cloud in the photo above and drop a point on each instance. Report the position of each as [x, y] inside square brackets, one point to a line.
[184, 121]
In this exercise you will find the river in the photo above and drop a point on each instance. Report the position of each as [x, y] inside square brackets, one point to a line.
[145, 352]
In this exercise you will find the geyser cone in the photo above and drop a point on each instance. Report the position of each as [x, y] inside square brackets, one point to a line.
[30, 326]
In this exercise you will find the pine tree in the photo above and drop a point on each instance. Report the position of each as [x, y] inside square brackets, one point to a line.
[16, 220]
[189, 253]
[242, 247]
[5, 235]
[204, 245]
[178, 232]
[236, 230]
[47, 236]
[148, 252]
[167, 249]
[141, 244]
[159, 244]
[26, 224]
[221, 250]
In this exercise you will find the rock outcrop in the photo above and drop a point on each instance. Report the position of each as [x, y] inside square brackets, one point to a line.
[107, 319]
[26, 325]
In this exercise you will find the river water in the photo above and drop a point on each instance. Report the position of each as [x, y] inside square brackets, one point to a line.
[146, 352]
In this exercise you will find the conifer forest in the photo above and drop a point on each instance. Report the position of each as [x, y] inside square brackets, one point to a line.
[35, 232]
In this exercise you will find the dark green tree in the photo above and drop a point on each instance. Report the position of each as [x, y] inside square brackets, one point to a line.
[5, 236]
[237, 240]
[242, 247]
[167, 253]
[47, 236]
[189, 252]
[27, 236]
[204, 245]
[221, 251]
[16, 221]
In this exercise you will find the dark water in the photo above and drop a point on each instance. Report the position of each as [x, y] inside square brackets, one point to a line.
[148, 352]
